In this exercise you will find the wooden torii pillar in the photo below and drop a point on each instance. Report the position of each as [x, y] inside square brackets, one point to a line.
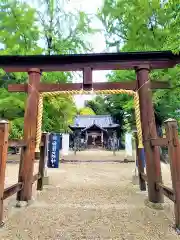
[34, 87]
[30, 121]
[152, 154]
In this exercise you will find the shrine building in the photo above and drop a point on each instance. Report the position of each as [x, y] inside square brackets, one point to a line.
[94, 130]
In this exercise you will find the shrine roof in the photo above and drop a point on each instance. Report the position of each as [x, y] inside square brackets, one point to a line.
[86, 121]
[94, 126]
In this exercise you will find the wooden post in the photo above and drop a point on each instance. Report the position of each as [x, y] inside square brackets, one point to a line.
[142, 183]
[152, 154]
[174, 155]
[42, 161]
[3, 157]
[30, 120]
[87, 78]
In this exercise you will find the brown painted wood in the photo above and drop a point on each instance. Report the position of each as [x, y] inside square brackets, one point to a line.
[92, 59]
[162, 142]
[30, 120]
[117, 65]
[159, 85]
[87, 75]
[36, 177]
[168, 192]
[46, 87]
[174, 155]
[12, 190]
[152, 154]
[87, 78]
[42, 162]
[3, 157]
[16, 143]
[18, 87]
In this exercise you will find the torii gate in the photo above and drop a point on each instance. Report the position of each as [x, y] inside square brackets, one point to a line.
[140, 62]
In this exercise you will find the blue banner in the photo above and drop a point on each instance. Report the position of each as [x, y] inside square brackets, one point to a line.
[142, 158]
[53, 153]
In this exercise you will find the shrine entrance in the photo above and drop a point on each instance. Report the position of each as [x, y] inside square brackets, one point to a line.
[141, 62]
[94, 140]
[94, 130]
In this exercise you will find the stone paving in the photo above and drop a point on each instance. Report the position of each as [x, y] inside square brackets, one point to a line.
[88, 201]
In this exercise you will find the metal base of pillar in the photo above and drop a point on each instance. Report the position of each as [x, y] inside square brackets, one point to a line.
[157, 206]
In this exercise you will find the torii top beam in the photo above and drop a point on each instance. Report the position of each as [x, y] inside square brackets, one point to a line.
[98, 61]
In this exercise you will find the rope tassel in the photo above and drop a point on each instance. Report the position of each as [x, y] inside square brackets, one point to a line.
[138, 120]
[39, 123]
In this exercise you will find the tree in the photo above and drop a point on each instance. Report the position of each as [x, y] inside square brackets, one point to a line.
[12, 109]
[108, 105]
[173, 38]
[63, 32]
[19, 31]
[139, 25]
[86, 111]
[97, 105]
[19, 35]
[26, 30]
[65, 113]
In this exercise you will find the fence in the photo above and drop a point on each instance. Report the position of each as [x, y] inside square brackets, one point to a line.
[172, 142]
[18, 187]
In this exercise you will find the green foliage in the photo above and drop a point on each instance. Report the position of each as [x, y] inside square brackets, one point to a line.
[12, 109]
[16, 128]
[86, 111]
[97, 105]
[109, 105]
[44, 30]
[19, 31]
[63, 32]
[139, 25]
[173, 38]
[59, 113]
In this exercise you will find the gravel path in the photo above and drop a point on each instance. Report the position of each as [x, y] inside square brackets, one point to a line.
[89, 201]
